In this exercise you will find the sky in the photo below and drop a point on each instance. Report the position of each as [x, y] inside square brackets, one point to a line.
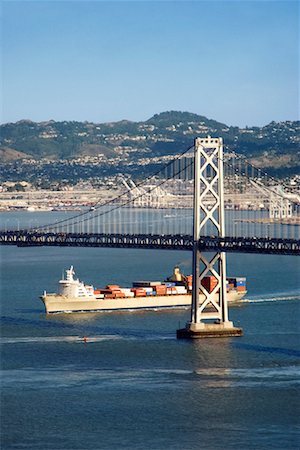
[233, 61]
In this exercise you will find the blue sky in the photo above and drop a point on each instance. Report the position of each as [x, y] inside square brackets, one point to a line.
[233, 61]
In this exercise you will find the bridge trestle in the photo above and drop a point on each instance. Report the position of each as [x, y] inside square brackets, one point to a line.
[209, 312]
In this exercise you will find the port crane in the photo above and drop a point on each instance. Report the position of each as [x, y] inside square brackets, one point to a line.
[136, 194]
[151, 197]
[280, 203]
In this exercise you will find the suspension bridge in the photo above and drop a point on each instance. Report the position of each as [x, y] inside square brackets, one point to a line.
[204, 200]
[260, 215]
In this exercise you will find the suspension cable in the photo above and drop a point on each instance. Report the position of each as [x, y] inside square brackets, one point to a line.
[108, 202]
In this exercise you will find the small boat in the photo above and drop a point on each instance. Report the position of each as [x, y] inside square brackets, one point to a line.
[75, 296]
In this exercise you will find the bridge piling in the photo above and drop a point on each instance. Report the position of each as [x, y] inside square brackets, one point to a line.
[208, 183]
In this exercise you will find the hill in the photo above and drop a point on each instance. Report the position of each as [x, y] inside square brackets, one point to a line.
[275, 145]
[9, 154]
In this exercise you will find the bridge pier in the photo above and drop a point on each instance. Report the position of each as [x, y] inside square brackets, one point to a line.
[209, 318]
[208, 330]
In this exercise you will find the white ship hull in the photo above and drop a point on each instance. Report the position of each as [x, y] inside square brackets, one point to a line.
[55, 303]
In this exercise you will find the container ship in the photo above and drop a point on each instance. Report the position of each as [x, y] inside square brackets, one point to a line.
[176, 292]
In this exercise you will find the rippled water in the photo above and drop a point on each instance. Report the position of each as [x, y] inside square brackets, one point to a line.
[132, 385]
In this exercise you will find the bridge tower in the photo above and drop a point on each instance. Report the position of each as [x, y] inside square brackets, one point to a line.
[209, 312]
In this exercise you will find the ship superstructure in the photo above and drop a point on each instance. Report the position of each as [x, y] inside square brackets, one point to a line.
[70, 287]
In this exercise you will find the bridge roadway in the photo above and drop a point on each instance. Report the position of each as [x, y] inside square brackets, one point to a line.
[34, 238]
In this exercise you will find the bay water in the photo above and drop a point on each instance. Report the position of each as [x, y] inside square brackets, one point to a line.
[132, 384]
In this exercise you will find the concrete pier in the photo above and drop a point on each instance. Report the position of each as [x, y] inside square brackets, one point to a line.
[208, 330]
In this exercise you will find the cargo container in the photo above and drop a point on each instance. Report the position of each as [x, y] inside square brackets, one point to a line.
[169, 284]
[148, 289]
[138, 292]
[146, 283]
[241, 288]
[209, 283]
[160, 290]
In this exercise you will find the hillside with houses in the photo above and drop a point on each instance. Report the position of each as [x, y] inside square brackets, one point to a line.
[83, 149]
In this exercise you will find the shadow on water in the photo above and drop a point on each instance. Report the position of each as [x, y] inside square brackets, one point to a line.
[260, 348]
[84, 329]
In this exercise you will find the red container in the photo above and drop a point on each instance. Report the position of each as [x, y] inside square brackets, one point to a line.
[105, 291]
[241, 288]
[160, 290]
[138, 292]
[112, 286]
[209, 283]
[119, 294]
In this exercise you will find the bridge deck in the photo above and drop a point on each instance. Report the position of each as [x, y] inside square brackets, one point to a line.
[23, 238]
